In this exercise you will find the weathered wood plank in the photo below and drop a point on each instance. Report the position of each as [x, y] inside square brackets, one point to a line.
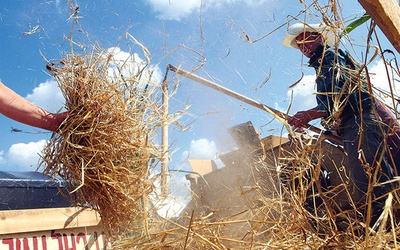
[31, 220]
[386, 14]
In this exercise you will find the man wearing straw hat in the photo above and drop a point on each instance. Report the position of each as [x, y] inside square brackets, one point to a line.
[19, 109]
[344, 104]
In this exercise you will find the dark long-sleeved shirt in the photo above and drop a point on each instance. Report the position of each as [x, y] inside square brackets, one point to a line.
[339, 89]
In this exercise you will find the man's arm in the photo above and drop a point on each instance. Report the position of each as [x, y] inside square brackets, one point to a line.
[301, 118]
[19, 109]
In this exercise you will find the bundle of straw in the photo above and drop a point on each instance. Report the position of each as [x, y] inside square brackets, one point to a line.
[103, 148]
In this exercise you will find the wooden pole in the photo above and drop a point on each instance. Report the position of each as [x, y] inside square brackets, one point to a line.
[235, 95]
[164, 140]
[386, 14]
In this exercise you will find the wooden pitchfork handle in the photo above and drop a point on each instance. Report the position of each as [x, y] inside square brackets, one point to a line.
[249, 101]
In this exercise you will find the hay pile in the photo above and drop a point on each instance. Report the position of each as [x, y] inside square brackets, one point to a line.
[281, 217]
[103, 148]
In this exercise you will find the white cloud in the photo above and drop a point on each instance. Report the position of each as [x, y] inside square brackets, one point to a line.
[202, 149]
[304, 91]
[174, 9]
[303, 94]
[130, 64]
[2, 160]
[48, 96]
[380, 80]
[22, 156]
[179, 9]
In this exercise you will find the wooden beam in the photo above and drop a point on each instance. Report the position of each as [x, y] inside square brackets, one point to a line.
[386, 14]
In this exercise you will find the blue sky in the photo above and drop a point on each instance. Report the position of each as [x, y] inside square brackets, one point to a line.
[178, 32]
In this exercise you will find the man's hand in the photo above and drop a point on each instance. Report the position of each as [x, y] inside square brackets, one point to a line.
[302, 118]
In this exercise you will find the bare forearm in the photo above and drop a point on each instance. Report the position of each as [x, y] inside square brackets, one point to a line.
[19, 109]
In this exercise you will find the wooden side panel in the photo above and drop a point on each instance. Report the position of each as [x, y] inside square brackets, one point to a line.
[31, 220]
[83, 238]
[51, 228]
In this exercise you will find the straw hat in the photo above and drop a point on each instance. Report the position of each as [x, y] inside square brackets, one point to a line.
[297, 28]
